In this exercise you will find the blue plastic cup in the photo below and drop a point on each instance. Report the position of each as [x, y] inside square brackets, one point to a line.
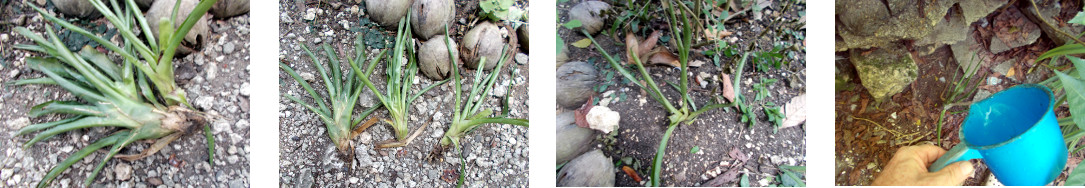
[1015, 132]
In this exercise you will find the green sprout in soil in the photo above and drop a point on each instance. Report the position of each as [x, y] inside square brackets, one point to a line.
[397, 97]
[762, 89]
[958, 93]
[686, 111]
[140, 97]
[343, 93]
[472, 114]
[776, 116]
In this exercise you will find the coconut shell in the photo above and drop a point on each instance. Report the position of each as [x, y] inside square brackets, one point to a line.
[77, 8]
[163, 9]
[433, 58]
[523, 37]
[572, 140]
[429, 17]
[387, 12]
[229, 8]
[589, 14]
[575, 82]
[592, 169]
[485, 40]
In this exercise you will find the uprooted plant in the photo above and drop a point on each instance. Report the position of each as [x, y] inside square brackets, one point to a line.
[686, 111]
[471, 116]
[343, 92]
[140, 97]
[400, 76]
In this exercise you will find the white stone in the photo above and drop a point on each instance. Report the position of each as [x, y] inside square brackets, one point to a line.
[603, 119]
[123, 170]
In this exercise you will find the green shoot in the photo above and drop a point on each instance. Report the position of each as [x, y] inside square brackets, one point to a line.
[112, 95]
[397, 97]
[775, 114]
[958, 92]
[343, 92]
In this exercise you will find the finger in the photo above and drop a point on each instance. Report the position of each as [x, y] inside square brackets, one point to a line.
[954, 174]
[928, 153]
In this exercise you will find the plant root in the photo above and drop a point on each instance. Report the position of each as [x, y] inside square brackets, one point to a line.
[158, 145]
[393, 143]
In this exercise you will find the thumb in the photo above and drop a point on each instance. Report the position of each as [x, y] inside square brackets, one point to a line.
[954, 174]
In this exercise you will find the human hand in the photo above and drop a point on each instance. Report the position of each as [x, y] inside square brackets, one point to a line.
[909, 168]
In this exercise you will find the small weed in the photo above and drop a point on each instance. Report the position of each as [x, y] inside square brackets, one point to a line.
[762, 88]
[767, 60]
[775, 116]
[500, 10]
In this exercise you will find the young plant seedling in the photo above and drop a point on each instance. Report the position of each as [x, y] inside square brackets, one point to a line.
[139, 97]
[466, 119]
[343, 93]
[471, 115]
[686, 111]
[397, 97]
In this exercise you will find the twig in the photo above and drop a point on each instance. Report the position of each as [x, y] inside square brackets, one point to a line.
[1043, 19]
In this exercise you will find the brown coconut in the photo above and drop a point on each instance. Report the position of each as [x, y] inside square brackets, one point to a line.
[433, 58]
[77, 8]
[485, 40]
[429, 17]
[575, 83]
[162, 9]
[387, 12]
[229, 8]
[590, 15]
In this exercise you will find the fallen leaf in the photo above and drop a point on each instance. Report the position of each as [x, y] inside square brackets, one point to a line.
[1010, 73]
[647, 51]
[582, 43]
[795, 111]
[631, 45]
[713, 34]
[664, 57]
[632, 173]
[581, 114]
[696, 63]
[728, 90]
[737, 154]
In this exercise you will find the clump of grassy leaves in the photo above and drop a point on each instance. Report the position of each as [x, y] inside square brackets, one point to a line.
[958, 92]
[343, 91]
[400, 76]
[139, 97]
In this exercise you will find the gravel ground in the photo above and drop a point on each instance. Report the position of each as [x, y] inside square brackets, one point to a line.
[495, 155]
[216, 79]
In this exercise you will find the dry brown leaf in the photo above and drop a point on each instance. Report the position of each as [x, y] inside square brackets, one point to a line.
[713, 34]
[795, 111]
[647, 50]
[728, 90]
[581, 113]
[631, 45]
[737, 154]
[665, 58]
[649, 44]
[696, 63]
[632, 173]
